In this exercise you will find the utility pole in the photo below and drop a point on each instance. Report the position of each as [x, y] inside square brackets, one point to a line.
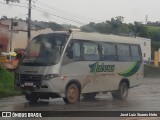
[146, 18]
[10, 43]
[29, 21]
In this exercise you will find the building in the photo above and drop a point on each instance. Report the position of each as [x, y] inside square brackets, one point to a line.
[4, 37]
[20, 39]
[146, 48]
[18, 25]
[19, 35]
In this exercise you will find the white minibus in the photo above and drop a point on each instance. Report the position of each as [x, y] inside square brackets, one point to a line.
[72, 64]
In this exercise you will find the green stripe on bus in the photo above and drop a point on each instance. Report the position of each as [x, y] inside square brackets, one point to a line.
[132, 70]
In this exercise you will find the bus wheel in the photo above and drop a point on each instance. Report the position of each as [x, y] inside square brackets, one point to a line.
[115, 94]
[122, 91]
[31, 98]
[89, 95]
[72, 94]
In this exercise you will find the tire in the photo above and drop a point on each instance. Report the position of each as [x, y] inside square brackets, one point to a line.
[122, 91]
[72, 94]
[65, 100]
[115, 94]
[32, 98]
[89, 96]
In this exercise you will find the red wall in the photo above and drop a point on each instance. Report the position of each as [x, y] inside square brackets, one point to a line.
[4, 42]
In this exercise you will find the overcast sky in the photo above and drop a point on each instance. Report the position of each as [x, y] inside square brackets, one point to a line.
[80, 12]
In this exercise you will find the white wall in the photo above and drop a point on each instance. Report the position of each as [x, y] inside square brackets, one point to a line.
[146, 48]
[22, 25]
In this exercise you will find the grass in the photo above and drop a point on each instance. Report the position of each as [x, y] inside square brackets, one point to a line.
[7, 84]
[151, 71]
[153, 28]
[7, 93]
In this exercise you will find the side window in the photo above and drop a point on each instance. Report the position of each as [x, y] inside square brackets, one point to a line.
[109, 52]
[91, 51]
[136, 56]
[76, 50]
[123, 52]
[72, 53]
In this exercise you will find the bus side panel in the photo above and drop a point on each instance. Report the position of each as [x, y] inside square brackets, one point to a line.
[80, 71]
[90, 80]
[132, 71]
[96, 81]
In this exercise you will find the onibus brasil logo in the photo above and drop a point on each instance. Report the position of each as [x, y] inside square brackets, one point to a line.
[96, 67]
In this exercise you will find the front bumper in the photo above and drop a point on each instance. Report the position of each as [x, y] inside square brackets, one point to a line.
[35, 83]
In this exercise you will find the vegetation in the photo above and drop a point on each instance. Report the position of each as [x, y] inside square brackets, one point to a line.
[7, 1]
[54, 26]
[117, 27]
[7, 84]
[151, 71]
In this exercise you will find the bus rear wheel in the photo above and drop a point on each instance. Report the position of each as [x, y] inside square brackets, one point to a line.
[122, 91]
[72, 94]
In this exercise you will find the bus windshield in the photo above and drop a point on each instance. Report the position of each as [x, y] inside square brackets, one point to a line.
[44, 50]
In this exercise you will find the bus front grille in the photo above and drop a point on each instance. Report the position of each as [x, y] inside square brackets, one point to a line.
[35, 79]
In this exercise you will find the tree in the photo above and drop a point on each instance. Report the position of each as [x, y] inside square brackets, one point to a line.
[91, 27]
[116, 24]
[139, 29]
[156, 36]
[7, 1]
[4, 17]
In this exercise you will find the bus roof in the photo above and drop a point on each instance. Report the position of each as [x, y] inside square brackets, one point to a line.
[99, 37]
[104, 37]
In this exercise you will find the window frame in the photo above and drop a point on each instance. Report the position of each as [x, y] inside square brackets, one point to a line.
[125, 60]
[109, 43]
[98, 49]
[139, 51]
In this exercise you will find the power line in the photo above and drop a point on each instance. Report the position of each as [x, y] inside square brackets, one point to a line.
[64, 12]
[44, 12]
[59, 12]
[58, 16]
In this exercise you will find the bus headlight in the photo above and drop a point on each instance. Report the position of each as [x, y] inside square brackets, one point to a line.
[50, 76]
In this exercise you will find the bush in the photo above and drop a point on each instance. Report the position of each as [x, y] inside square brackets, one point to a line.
[7, 84]
[151, 71]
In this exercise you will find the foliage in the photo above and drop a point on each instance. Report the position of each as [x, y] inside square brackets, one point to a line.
[7, 1]
[154, 33]
[151, 71]
[4, 17]
[43, 25]
[140, 30]
[6, 79]
[7, 84]
[156, 36]
[117, 27]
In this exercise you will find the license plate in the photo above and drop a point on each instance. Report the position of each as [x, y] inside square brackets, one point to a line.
[28, 84]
